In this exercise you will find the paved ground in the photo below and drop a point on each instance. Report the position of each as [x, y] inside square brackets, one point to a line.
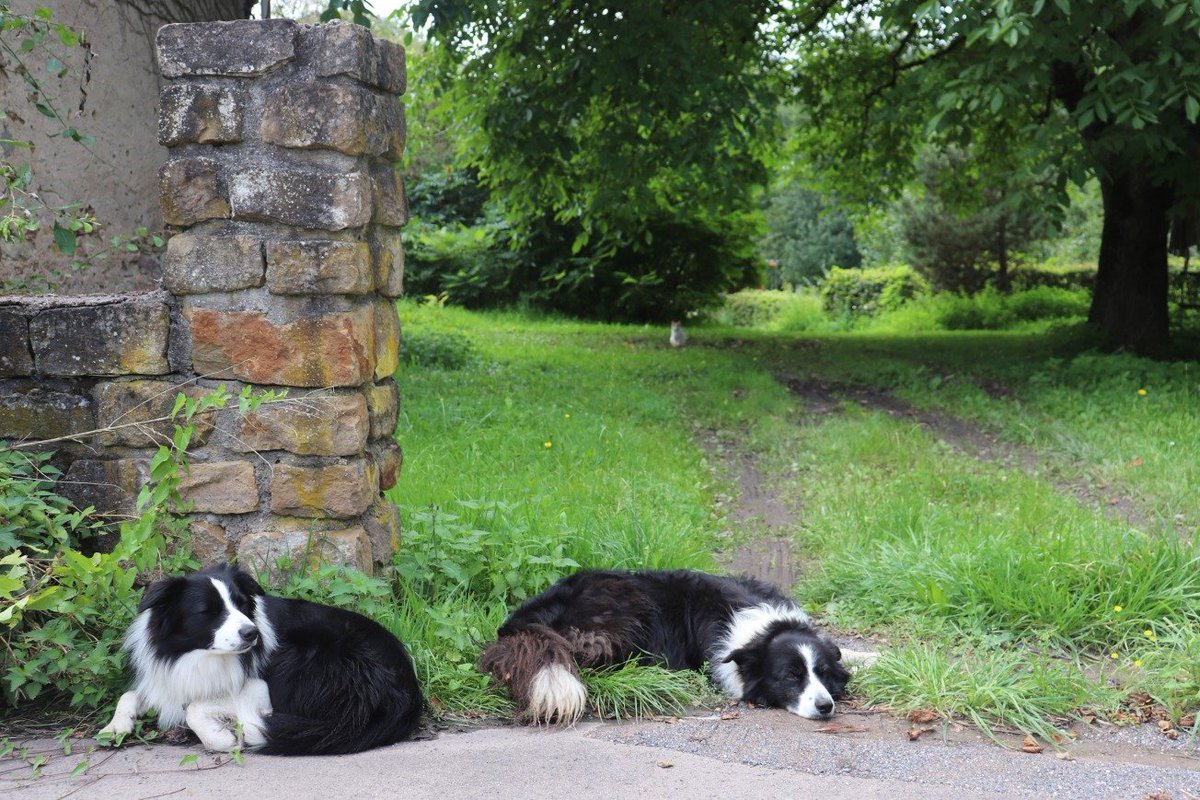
[759, 754]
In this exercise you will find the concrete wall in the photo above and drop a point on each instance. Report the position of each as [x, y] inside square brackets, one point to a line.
[110, 93]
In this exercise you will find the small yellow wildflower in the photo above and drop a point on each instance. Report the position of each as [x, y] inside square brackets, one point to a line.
[1118, 608]
[547, 444]
[1137, 662]
[1113, 656]
[567, 416]
[1142, 392]
[1149, 634]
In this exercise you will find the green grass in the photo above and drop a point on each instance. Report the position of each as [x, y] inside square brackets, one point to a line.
[536, 445]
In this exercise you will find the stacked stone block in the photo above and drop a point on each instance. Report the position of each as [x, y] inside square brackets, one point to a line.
[286, 208]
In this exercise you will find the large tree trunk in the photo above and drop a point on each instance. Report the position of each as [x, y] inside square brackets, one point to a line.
[1130, 298]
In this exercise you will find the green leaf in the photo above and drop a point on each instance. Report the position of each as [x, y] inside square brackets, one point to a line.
[188, 760]
[64, 239]
[67, 36]
[1191, 107]
[1174, 14]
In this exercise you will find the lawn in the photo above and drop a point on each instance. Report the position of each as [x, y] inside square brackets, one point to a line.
[533, 445]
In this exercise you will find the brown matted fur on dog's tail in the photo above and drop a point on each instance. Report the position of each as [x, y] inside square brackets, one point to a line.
[536, 665]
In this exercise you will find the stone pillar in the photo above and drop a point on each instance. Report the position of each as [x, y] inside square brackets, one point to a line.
[286, 208]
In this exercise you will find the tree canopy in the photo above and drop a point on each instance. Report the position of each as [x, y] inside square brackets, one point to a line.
[608, 120]
[1107, 88]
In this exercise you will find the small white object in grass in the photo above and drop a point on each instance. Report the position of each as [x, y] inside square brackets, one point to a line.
[678, 335]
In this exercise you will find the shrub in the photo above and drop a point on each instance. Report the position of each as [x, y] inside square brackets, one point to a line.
[866, 292]
[442, 349]
[1046, 302]
[776, 310]
[753, 308]
[1055, 276]
[472, 266]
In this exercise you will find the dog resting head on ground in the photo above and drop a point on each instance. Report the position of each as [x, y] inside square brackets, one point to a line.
[212, 650]
[760, 646]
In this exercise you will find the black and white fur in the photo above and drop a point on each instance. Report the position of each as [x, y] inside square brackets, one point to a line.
[760, 646]
[211, 649]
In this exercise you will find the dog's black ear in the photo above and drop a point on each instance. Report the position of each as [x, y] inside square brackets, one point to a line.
[161, 592]
[249, 586]
[743, 657]
[837, 651]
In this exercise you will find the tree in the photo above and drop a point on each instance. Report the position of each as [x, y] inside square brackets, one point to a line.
[806, 236]
[968, 224]
[1111, 89]
[625, 139]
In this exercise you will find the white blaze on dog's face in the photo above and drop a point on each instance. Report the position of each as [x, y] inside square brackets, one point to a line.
[815, 701]
[237, 633]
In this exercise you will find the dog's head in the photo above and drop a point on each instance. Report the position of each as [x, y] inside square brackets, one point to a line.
[796, 669]
[211, 610]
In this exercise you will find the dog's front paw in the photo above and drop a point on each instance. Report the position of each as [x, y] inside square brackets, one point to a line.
[211, 722]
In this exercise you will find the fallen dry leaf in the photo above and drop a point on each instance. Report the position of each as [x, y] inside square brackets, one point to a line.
[730, 715]
[1187, 722]
[922, 715]
[1136, 462]
[670, 720]
[1164, 725]
[841, 727]
[666, 764]
[1031, 746]
[1089, 718]
[1063, 755]
[915, 733]
[1171, 734]
[1159, 796]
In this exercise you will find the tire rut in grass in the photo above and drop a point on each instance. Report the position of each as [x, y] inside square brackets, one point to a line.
[823, 399]
[758, 510]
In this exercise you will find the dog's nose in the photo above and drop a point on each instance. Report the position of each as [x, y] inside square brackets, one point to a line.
[825, 707]
[248, 633]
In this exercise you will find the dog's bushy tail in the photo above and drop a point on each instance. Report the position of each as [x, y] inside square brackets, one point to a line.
[536, 665]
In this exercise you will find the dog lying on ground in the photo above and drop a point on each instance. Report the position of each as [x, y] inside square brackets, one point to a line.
[760, 646]
[212, 649]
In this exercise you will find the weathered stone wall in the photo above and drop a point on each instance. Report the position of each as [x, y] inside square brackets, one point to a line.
[281, 189]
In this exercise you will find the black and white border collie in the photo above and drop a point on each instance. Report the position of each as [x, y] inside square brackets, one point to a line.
[211, 650]
[760, 646]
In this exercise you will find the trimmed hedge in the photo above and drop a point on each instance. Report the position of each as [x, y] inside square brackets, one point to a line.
[866, 292]
[1068, 276]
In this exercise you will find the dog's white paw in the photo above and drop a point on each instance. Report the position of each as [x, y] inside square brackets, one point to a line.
[211, 722]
